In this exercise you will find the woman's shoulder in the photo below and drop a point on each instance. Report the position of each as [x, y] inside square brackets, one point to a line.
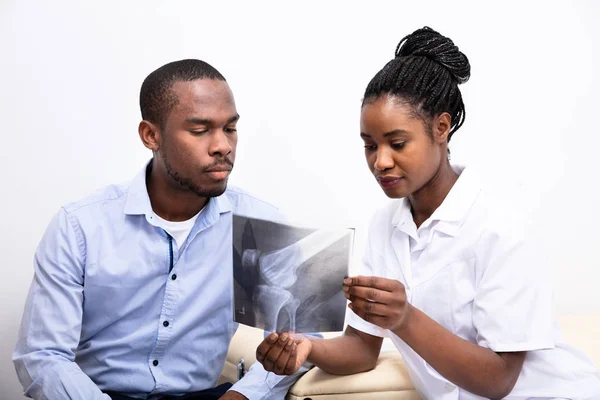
[499, 222]
[387, 215]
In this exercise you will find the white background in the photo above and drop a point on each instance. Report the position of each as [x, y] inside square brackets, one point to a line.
[71, 73]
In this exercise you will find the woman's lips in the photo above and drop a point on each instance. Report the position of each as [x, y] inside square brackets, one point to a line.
[389, 181]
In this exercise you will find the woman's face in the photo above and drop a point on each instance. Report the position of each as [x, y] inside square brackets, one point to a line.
[401, 153]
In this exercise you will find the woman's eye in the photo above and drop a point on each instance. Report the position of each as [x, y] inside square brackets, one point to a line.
[398, 145]
[370, 147]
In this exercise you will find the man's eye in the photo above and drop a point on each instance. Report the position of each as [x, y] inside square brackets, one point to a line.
[197, 133]
[230, 130]
[370, 147]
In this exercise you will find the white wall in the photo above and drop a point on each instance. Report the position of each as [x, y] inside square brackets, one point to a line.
[71, 73]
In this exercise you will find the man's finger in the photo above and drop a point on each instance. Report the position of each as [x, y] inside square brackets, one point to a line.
[291, 367]
[273, 354]
[284, 357]
[265, 346]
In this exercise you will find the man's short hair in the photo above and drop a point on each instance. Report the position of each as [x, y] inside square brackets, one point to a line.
[156, 97]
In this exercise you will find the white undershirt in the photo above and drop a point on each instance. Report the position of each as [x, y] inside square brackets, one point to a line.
[180, 230]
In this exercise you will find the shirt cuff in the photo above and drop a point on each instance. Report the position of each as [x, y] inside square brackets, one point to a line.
[259, 384]
[508, 347]
[358, 323]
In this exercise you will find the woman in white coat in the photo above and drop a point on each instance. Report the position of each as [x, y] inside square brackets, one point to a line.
[448, 274]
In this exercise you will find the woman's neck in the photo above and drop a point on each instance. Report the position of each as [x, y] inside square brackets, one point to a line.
[427, 199]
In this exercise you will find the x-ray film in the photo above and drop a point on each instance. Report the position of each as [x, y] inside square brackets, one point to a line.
[289, 278]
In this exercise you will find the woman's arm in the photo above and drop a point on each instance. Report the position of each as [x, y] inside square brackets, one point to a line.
[477, 369]
[351, 353]
[474, 368]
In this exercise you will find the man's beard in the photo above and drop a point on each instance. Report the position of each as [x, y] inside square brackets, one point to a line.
[190, 186]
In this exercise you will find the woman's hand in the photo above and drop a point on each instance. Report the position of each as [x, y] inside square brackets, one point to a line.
[379, 301]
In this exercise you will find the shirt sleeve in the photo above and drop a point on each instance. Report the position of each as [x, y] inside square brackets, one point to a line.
[354, 320]
[258, 384]
[512, 309]
[50, 329]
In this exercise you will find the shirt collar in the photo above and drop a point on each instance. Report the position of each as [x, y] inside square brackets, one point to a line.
[223, 203]
[402, 214]
[455, 206]
[138, 201]
[461, 197]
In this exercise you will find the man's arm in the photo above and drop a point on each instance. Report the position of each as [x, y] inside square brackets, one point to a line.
[51, 326]
[259, 384]
[264, 384]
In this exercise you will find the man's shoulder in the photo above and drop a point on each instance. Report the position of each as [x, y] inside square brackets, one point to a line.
[111, 195]
[247, 204]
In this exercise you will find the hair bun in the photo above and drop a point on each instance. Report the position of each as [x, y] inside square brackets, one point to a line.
[428, 43]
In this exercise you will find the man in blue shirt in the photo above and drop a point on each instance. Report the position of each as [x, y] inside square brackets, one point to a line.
[132, 292]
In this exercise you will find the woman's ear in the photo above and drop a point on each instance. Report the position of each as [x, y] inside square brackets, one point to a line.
[441, 127]
[149, 134]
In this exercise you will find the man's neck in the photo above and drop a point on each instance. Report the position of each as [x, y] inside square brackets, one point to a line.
[169, 202]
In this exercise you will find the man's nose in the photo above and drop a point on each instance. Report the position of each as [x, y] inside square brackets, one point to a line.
[220, 144]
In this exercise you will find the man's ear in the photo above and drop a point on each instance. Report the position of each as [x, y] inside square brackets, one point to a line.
[441, 127]
[150, 135]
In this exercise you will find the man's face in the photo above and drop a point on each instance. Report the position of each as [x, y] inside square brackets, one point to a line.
[199, 137]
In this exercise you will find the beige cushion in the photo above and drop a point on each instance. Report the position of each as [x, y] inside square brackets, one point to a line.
[243, 345]
[389, 380]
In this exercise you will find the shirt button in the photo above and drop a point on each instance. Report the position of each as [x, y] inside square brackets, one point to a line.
[166, 323]
[174, 276]
[155, 363]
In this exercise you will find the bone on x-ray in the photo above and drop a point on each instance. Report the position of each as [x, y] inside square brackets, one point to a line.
[288, 272]
[279, 268]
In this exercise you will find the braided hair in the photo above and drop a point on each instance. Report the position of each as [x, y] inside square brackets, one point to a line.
[425, 74]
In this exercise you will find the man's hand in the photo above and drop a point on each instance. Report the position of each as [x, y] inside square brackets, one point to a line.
[233, 395]
[282, 353]
[379, 301]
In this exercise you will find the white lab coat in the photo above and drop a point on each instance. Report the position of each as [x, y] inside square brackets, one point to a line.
[470, 268]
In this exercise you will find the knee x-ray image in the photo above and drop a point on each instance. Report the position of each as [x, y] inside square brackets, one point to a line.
[288, 278]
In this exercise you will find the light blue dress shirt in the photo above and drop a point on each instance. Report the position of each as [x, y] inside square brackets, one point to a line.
[116, 306]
